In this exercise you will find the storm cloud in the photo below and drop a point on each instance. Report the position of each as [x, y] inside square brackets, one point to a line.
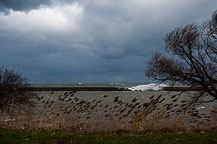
[99, 41]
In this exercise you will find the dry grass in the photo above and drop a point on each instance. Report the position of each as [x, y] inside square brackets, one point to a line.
[72, 113]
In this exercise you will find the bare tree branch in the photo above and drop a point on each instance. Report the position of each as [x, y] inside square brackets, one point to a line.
[193, 60]
[10, 81]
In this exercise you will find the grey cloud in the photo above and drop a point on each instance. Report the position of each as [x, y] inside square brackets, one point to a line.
[131, 31]
[26, 5]
[23, 5]
[115, 40]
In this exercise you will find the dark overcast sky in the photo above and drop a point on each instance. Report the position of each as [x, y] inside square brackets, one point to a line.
[90, 41]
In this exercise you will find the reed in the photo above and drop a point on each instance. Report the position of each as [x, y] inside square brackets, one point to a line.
[70, 113]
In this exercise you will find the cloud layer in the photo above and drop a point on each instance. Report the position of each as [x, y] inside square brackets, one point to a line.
[82, 41]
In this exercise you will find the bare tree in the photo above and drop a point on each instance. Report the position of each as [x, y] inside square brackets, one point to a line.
[10, 81]
[193, 59]
[209, 37]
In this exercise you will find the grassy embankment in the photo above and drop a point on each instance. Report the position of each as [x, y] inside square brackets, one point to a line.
[41, 137]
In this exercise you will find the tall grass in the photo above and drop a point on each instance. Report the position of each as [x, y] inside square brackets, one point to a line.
[71, 113]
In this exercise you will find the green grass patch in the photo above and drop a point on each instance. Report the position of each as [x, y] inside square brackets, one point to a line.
[45, 137]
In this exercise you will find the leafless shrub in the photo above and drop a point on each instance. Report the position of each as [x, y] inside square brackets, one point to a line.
[10, 81]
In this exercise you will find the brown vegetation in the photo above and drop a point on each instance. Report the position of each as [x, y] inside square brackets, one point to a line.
[10, 81]
[158, 113]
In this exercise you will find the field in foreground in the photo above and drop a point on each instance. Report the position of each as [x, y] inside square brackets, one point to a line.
[43, 137]
[106, 112]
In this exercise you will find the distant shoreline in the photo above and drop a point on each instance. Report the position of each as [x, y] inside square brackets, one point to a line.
[100, 88]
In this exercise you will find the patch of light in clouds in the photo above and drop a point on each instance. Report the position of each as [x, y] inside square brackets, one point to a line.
[44, 19]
